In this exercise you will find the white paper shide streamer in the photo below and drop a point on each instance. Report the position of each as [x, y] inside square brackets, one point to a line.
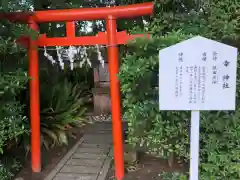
[48, 56]
[70, 55]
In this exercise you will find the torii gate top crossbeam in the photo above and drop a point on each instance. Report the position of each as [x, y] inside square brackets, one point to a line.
[80, 14]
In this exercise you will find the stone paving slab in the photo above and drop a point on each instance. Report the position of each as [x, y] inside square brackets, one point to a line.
[80, 169]
[92, 150]
[94, 145]
[69, 176]
[98, 127]
[101, 126]
[96, 141]
[89, 156]
[104, 131]
[85, 162]
[100, 136]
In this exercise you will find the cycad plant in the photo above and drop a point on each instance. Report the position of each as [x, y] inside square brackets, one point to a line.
[63, 110]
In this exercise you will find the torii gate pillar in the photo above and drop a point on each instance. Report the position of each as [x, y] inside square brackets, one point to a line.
[115, 96]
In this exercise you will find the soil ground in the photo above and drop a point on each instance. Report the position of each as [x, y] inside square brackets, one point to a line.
[50, 160]
[149, 168]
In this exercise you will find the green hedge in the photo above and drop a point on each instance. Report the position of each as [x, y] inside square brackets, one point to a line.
[166, 134]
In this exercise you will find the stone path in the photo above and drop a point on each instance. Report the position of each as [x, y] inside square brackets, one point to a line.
[90, 158]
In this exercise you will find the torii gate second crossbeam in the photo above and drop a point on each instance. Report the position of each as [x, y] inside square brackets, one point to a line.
[111, 38]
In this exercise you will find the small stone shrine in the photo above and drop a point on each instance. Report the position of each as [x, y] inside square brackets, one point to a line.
[101, 91]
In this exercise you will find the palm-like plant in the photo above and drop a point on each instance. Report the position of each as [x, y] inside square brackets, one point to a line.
[63, 110]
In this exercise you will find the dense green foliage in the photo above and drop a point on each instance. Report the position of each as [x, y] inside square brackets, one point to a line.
[11, 111]
[172, 176]
[166, 134]
[12, 82]
[10, 166]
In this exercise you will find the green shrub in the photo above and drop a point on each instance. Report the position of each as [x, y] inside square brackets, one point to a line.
[11, 123]
[8, 166]
[5, 174]
[172, 176]
[166, 134]
[12, 82]
[12, 118]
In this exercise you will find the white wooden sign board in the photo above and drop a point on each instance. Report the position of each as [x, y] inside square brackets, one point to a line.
[198, 74]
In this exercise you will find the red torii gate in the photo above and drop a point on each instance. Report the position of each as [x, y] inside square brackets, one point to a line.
[111, 38]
